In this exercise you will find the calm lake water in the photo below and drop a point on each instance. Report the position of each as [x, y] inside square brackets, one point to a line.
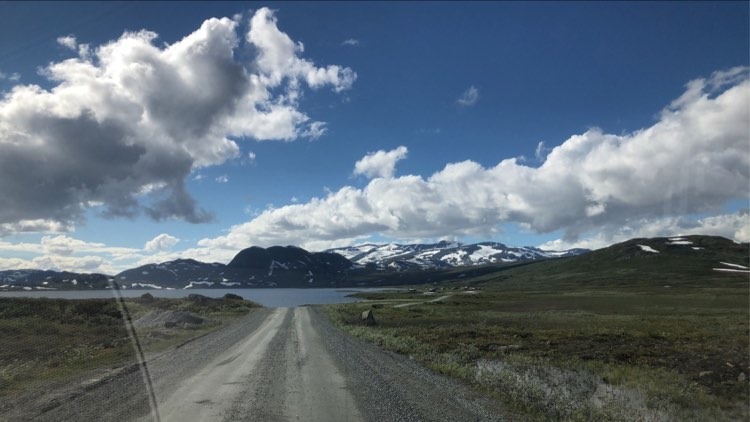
[272, 298]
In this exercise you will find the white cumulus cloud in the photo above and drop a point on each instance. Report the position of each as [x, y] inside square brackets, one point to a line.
[13, 77]
[161, 242]
[691, 161]
[125, 123]
[66, 253]
[68, 41]
[278, 57]
[469, 97]
[381, 163]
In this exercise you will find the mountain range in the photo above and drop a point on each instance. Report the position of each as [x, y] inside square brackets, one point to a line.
[636, 260]
[445, 255]
[291, 266]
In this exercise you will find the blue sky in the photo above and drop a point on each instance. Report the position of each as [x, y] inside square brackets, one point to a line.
[546, 124]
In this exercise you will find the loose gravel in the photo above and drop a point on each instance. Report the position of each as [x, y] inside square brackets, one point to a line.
[272, 365]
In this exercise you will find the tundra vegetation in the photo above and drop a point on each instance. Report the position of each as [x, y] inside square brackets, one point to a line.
[617, 334]
[50, 341]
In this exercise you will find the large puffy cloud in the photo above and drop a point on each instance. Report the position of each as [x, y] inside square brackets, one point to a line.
[381, 163]
[278, 57]
[125, 123]
[693, 160]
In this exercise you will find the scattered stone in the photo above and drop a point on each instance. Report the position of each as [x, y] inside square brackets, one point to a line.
[182, 319]
[167, 319]
[231, 296]
[741, 377]
[198, 299]
[368, 317]
[705, 373]
[509, 347]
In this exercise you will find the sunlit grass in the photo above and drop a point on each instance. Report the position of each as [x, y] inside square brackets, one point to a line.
[45, 340]
[606, 353]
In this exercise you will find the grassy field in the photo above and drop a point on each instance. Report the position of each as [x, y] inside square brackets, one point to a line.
[43, 341]
[630, 344]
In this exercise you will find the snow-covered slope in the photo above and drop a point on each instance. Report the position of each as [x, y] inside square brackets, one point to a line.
[444, 254]
[50, 280]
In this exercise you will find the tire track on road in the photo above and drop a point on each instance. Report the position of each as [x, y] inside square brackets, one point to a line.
[210, 392]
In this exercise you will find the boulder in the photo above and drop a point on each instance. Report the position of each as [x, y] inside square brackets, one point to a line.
[231, 296]
[167, 319]
[198, 299]
[147, 297]
[182, 319]
[368, 317]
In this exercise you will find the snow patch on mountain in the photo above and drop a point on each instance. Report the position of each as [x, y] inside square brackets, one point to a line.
[145, 286]
[678, 241]
[742, 267]
[647, 248]
[484, 253]
[731, 270]
[443, 254]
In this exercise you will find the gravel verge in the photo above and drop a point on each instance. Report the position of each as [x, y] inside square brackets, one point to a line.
[391, 387]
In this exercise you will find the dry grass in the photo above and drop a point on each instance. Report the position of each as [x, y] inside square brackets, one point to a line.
[603, 354]
[49, 340]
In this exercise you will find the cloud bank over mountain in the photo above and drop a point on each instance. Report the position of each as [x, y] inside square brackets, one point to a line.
[693, 160]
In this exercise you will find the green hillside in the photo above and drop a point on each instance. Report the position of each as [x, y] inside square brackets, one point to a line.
[622, 333]
[630, 265]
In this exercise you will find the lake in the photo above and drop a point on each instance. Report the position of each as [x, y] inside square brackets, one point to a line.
[272, 298]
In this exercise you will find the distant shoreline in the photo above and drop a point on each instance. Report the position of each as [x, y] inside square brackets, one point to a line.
[269, 297]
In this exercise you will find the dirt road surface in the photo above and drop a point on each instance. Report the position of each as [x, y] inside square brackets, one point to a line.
[282, 364]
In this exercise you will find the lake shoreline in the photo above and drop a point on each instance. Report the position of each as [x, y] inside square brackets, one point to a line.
[274, 297]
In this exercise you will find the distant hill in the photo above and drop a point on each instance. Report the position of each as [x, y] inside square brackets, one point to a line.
[51, 280]
[175, 274]
[276, 266]
[663, 261]
[289, 258]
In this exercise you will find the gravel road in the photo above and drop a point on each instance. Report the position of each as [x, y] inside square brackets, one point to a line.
[282, 364]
